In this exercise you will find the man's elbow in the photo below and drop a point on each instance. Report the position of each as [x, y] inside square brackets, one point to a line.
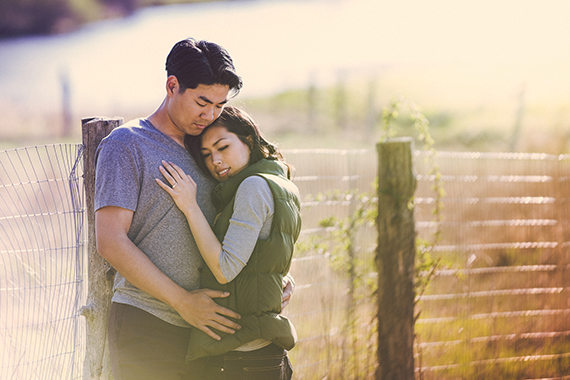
[111, 226]
[103, 247]
[107, 242]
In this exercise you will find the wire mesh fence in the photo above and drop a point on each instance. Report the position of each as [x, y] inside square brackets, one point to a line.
[498, 307]
[333, 308]
[41, 262]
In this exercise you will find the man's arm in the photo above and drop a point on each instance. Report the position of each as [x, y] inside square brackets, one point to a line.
[195, 307]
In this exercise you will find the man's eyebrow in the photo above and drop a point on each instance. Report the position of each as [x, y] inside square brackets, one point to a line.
[205, 99]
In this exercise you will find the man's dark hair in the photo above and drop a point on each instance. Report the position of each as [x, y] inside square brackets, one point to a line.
[201, 62]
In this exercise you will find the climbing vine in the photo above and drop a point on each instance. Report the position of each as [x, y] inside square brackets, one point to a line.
[338, 239]
[426, 265]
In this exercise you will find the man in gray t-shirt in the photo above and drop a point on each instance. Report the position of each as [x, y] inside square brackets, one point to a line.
[127, 165]
[141, 232]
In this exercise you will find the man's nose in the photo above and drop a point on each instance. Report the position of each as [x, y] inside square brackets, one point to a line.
[208, 114]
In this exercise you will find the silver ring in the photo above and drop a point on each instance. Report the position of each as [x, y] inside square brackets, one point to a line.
[173, 186]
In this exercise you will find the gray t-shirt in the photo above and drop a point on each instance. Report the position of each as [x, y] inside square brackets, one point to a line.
[127, 166]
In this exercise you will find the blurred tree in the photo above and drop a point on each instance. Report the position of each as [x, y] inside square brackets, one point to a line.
[19, 17]
[123, 7]
[27, 17]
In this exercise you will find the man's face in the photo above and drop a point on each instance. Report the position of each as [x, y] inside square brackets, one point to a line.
[196, 108]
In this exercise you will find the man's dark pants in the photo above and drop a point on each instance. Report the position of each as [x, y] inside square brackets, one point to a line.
[144, 347]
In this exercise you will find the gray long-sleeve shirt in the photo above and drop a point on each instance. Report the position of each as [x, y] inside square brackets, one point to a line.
[251, 220]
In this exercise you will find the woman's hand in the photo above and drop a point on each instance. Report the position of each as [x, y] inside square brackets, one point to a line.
[182, 187]
[183, 190]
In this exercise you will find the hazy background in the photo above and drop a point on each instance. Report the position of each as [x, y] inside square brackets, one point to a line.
[489, 75]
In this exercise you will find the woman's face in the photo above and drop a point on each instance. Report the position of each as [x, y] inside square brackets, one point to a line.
[223, 152]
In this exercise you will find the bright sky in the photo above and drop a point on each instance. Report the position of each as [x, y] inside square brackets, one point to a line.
[470, 50]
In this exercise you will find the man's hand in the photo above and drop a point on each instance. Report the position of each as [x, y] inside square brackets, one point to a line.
[200, 310]
[288, 287]
[195, 307]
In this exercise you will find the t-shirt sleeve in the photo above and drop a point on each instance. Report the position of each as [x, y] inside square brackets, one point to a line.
[253, 209]
[117, 181]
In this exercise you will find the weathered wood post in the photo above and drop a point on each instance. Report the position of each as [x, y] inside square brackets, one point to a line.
[100, 282]
[395, 257]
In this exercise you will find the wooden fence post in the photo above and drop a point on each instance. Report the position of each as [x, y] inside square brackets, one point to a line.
[395, 257]
[100, 274]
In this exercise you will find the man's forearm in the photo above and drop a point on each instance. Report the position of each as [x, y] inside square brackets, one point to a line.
[137, 268]
[111, 226]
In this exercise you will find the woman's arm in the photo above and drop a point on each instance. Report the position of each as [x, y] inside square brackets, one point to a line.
[248, 223]
[251, 220]
[183, 191]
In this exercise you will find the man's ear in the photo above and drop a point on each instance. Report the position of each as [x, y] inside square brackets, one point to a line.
[172, 85]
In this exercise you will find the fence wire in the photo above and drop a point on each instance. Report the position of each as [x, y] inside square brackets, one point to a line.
[499, 304]
[41, 262]
[497, 308]
[333, 307]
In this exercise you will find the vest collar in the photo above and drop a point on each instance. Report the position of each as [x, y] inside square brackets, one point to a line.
[225, 191]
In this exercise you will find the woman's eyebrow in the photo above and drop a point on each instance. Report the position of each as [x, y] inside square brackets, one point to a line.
[216, 143]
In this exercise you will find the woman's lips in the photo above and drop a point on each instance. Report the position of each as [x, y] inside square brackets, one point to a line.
[223, 173]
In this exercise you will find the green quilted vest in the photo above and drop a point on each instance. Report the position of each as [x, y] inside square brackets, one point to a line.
[257, 290]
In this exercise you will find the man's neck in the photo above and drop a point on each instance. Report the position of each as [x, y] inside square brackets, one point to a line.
[161, 121]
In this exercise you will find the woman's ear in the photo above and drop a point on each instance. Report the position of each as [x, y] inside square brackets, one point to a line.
[250, 142]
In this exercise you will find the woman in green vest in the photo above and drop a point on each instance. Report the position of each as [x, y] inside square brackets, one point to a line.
[249, 249]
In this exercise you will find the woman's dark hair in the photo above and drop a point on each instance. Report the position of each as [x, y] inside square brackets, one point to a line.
[238, 122]
[201, 62]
